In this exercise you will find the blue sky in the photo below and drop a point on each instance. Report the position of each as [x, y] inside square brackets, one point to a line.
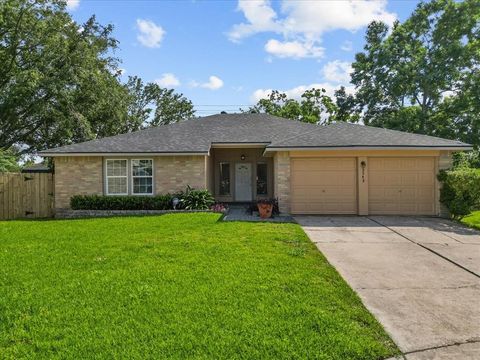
[223, 54]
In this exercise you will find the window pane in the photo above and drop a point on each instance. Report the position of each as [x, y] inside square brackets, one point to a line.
[142, 167]
[262, 188]
[117, 185]
[116, 167]
[142, 185]
[224, 179]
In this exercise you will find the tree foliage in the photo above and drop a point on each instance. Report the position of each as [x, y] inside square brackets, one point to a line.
[314, 106]
[423, 77]
[9, 161]
[60, 83]
[152, 105]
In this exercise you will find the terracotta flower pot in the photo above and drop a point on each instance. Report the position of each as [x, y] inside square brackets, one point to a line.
[265, 210]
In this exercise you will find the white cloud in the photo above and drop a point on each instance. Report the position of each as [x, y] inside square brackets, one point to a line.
[294, 49]
[296, 92]
[303, 23]
[151, 34]
[347, 46]
[337, 71]
[168, 80]
[213, 83]
[72, 4]
[260, 16]
[317, 17]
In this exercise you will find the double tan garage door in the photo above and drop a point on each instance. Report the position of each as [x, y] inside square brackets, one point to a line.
[403, 186]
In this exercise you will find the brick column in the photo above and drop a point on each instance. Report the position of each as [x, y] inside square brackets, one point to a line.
[445, 162]
[281, 174]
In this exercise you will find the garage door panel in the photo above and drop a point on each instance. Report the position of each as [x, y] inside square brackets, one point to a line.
[407, 195]
[322, 164]
[323, 207]
[402, 186]
[318, 178]
[324, 186]
[337, 193]
[426, 179]
[409, 179]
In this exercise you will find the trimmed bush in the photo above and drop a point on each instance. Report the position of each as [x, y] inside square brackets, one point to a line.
[190, 199]
[193, 199]
[460, 192]
[101, 202]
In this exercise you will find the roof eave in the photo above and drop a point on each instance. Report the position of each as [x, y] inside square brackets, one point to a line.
[170, 153]
[353, 147]
[239, 144]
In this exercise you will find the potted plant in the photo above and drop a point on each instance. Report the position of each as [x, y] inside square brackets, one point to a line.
[265, 208]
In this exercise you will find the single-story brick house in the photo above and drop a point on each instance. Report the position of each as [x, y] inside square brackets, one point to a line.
[336, 169]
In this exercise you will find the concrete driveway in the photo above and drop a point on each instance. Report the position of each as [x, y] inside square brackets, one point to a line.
[419, 276]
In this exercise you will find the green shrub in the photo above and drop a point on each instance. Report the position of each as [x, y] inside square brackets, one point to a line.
[466, 159]
[101, 202]
[193, 199]
[190, 199]
[460, 191]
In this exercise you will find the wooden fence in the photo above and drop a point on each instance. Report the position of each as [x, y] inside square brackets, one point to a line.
[28, 195]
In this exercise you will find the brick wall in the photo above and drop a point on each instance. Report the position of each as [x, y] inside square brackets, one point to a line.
[445, 161]
[77, 175]
[81, 175]
[281, 174]
[174, 173]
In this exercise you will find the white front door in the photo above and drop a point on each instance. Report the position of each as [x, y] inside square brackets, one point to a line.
[243, 182]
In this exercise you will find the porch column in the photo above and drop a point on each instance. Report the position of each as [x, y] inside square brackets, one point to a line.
[281, 177]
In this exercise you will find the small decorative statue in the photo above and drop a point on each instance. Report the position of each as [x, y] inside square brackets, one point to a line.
[175, 202]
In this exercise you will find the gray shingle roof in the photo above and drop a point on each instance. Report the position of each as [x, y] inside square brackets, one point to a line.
[197, 135]
[354, 135]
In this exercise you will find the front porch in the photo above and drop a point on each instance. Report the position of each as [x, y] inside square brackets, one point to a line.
[243, 212]
[240, 175]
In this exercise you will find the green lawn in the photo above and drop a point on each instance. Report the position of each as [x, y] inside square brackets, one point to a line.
[175, 286]
[472, 220]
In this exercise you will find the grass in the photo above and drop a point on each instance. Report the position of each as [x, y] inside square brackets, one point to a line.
[472, 220]
[175, 286]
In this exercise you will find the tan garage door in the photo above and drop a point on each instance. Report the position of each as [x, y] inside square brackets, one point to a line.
[323, 186]
[402, 186]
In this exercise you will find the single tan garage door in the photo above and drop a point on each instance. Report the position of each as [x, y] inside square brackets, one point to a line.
[323, 186]
[401, 186]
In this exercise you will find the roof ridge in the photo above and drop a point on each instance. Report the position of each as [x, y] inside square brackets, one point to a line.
[396, 131]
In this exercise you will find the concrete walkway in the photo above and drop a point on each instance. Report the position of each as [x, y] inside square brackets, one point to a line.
[419, 276]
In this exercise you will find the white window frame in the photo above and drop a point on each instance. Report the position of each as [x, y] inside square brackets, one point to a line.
[112, 176]
[132, 177]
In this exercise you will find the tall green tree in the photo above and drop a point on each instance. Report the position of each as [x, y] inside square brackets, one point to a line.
[9, 161]
[346, 107]
[314, 106]
[152, 105]
[423, 76]
[60, 83]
